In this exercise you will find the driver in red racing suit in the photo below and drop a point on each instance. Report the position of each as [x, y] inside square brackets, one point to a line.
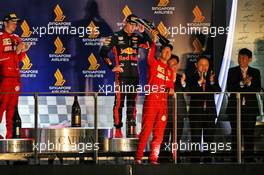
[12, 51]
[155, 117]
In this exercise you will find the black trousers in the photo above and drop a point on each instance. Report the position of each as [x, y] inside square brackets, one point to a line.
[201, 120]
[128, 91]
[248, 122]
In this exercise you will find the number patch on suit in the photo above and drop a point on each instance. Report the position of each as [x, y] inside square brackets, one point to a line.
[7, 41]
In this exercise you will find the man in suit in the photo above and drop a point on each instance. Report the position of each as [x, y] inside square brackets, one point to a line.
[244, 78]
[202, 112]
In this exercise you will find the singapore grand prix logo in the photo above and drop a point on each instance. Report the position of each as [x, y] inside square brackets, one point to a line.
[26, 71]
[92, 70]
[163, 9]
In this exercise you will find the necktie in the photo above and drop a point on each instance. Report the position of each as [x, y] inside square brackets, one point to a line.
[203, 86]
[244, 75]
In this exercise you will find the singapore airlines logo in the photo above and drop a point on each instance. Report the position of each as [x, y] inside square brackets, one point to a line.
[198, 16]
[59, 46]
[163, 8]
[126, 11]
[94, 30]
[197, 45]
[93, 62]
[59, 78]
[26, 30]
[26, 63]
[163, 3]
[59, 14]
[163, 30]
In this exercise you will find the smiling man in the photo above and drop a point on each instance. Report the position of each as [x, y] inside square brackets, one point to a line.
[202, 113]
[12, 51]
[155, 109]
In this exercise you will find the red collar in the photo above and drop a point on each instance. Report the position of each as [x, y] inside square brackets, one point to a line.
[162, 63]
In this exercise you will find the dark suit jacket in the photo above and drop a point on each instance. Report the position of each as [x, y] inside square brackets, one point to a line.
[233, 85]
[181, 103]
[197, 100]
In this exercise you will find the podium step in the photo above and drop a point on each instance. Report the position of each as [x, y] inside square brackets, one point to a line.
[16, 145]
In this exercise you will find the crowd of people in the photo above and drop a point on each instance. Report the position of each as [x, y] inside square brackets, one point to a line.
[164, 80]
[158, 114]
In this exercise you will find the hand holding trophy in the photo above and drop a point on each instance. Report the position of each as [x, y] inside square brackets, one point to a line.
[150, 26]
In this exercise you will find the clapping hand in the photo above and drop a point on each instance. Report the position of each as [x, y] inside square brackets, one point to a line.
[183, 79]
[212, 77]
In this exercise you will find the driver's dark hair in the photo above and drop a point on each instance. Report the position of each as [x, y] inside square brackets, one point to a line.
[245, 51]
[174, 57]
[202, 57]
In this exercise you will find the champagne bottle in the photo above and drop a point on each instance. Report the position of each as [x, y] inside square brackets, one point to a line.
[76, 113]
[16, 121]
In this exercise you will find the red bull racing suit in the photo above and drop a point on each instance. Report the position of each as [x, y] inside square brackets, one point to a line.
[125, 48]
